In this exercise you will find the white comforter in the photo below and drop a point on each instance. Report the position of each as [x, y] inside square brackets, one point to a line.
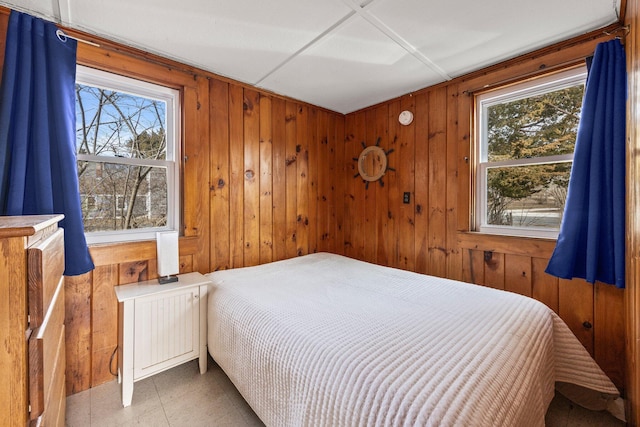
[324, 340]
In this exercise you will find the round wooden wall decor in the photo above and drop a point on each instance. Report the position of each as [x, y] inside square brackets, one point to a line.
[372, 163]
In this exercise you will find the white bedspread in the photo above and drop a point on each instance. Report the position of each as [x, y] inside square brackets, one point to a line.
[324, 340]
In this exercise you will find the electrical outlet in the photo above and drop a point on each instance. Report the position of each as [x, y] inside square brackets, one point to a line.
[406, 198]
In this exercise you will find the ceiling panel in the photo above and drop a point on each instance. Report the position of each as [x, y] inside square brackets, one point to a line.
[462, 36]
[343, 55]
[243, 39]
[353, 67]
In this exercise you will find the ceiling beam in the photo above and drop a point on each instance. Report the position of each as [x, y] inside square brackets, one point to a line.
[62, 8]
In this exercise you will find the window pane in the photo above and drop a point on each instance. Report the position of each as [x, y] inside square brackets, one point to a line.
[117, 124]
[527, 196]
[120, 197]
[537, 126]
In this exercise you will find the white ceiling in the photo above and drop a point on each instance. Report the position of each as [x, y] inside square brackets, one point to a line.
[343, 55]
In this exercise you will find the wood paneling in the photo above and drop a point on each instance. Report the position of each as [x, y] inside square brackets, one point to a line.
[220, 178]
[632, 292]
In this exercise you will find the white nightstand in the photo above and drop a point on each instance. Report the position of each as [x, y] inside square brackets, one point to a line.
[159, 327]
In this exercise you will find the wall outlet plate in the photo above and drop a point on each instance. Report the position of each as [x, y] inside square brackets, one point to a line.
[406, 197]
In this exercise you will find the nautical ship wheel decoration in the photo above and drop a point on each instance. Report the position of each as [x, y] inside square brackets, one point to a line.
[373, 163]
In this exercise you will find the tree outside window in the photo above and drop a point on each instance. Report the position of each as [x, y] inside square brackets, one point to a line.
[125, 148]
[527, 138]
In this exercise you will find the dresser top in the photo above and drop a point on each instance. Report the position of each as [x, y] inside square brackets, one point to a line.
[26, 225]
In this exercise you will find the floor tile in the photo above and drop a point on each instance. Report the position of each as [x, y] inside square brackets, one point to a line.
[181, 396]
[78, 409]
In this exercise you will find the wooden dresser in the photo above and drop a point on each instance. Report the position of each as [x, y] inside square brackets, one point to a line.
[32, 354]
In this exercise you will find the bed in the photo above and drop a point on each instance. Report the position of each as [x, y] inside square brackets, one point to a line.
[325, 340]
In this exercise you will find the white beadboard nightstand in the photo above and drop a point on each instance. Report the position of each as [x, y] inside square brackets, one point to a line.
[159, 327]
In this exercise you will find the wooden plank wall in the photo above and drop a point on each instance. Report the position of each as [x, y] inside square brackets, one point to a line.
[432, 158]
[632, 292]
[271, 196]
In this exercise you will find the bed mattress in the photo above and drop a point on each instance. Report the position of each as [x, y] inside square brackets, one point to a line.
[325, 340]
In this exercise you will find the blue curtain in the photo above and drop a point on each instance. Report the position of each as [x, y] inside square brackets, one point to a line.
[38, 169]
[591, 243]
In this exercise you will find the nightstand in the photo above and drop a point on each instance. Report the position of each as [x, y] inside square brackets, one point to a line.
[159, 327]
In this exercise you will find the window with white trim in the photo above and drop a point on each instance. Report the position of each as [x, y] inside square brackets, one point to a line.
[127, 147]
[525, 137]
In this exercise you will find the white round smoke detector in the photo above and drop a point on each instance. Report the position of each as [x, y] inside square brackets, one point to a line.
[406, 117]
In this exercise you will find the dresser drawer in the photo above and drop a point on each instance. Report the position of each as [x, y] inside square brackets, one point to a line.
[46, 265]
[47, 360]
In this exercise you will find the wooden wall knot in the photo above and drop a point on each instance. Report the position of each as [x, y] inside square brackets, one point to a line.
[249, 174]
[290, 160]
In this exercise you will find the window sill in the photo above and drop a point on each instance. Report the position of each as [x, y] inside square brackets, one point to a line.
[528, 246]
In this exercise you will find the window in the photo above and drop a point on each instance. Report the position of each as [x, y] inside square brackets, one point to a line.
[526, 135]
[127, 145]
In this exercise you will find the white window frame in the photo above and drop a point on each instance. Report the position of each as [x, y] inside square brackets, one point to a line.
[538, 86]
[115, 82]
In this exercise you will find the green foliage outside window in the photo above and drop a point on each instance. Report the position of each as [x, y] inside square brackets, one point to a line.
[535, 127]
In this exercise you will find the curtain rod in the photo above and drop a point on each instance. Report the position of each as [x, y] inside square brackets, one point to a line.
[625, 31]
[63, 38]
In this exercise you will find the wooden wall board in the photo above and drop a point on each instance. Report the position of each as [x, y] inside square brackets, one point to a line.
[384, 242]
[454, 257]
[438, 182]
[312, 176]
[78, 332]
[544, 286]
[632, 291]
[266, 181]
[251, 178]
[302, 181]
[575, 307]
[356, 213]
[278, 126]
[406, 181]
[195, 151]
[324, 181]
[104, 316]
[372, 191]
[336, 137]
[220, 176]
[517, 275]
[394, 187]
[608, 319]
[351, 180]
[236, 172]
[422, 189]
[291, 178]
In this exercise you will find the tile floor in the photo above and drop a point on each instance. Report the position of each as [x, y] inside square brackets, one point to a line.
[183, 397]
